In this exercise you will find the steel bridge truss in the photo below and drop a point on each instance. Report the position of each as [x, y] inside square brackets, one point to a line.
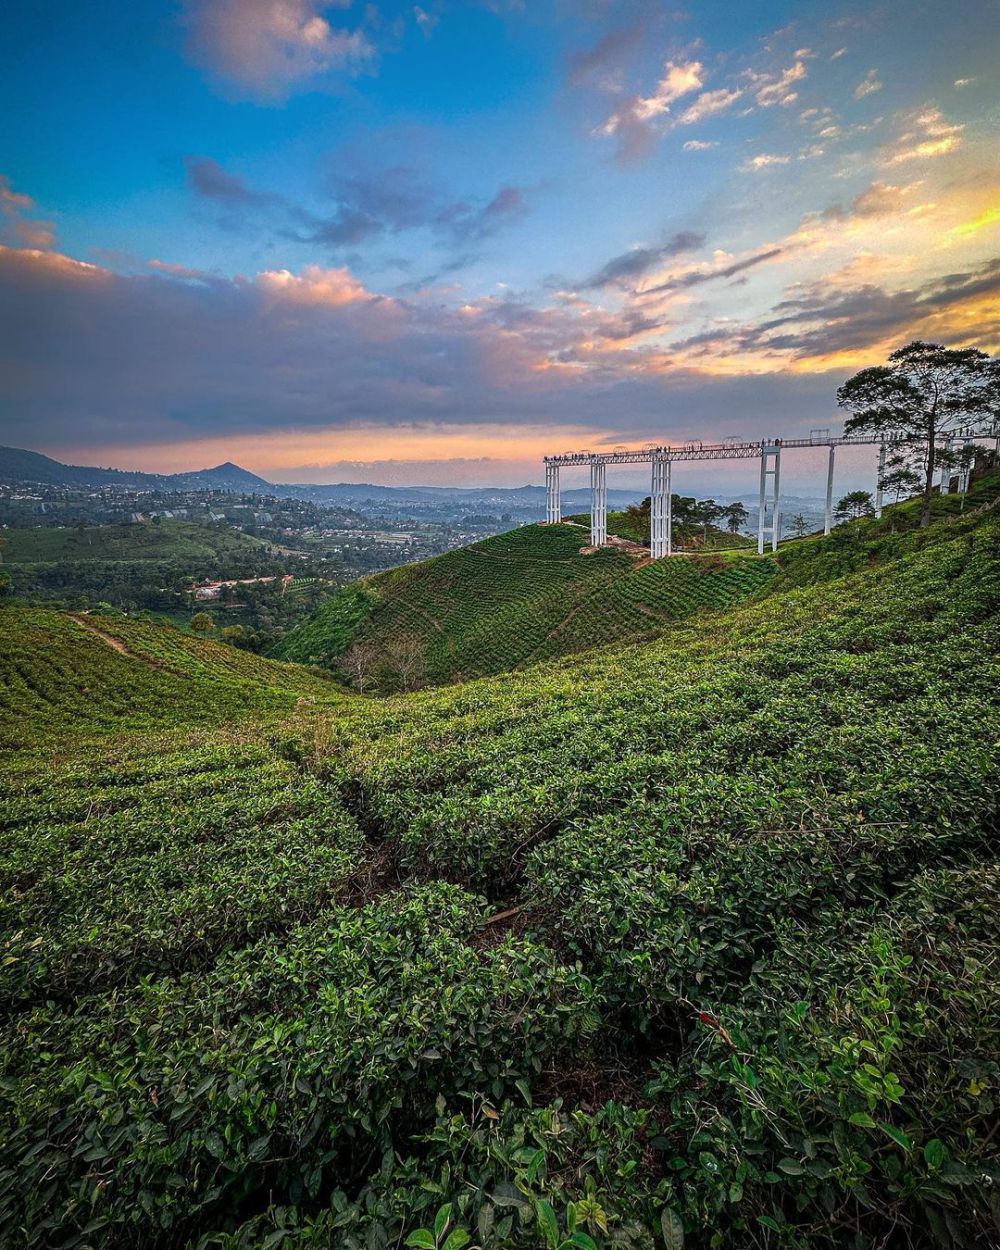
[661, 458]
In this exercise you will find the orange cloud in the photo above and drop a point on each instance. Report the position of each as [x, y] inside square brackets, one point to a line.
[314, 285]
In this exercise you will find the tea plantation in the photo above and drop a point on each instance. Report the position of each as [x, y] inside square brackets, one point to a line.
[687, 941]
[516, 599]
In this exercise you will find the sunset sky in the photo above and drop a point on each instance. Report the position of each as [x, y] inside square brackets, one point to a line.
[427, 243]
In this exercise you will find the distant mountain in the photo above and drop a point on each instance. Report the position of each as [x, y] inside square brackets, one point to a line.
[19, 465]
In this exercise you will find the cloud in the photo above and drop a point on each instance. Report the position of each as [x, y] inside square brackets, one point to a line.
[425, 21]
[772, 89]
[708, 104]
[636, 121]
[369, 205]
[868, 86]
[167, 358]
[696, 277]
[960, 83]
[880, 199]
[208, 179]
[266, 49]
[986, 219]
[823, 325]
[926, 134]
[602, 62]
[15, 227]
[179, 271]
[330, 288]
[624, 270]
[700, 145]
[763, 161]
[470, 222]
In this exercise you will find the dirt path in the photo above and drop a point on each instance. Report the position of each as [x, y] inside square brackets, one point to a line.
[115, 643]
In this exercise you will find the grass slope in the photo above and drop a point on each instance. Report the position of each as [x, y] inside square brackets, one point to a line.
[689, 940]
[521, 597]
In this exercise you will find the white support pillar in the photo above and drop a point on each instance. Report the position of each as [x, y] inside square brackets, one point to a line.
[945, 483]
[878, 480]
[659, 510]
[553, 505]
[770, 467]
[965, 469]
[598, 504]
[828, 516]
[670, 511]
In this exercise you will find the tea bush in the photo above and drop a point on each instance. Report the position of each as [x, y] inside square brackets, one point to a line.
[682, 941]
[519, 598]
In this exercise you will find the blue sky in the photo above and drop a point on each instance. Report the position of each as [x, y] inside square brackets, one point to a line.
[427, 242]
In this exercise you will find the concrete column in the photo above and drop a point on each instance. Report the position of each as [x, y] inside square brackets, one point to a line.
[828, 517]
[965, 471]
[945, 481]
[878, 480]
[553, 505]
[598, 504]
[659, 499]
[770, 453]
[670, 509]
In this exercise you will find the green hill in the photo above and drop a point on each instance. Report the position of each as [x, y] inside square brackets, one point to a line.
[70, 676]
[684, 941]
[524, 596]
[163, 540]
[144, 565]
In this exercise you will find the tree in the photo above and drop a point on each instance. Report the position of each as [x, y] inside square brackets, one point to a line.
[926, 393]
[405, 656]
[638, 515]
[235, 634]
[202, 623]
[800, 526]
[857, 503]
[899, 477]
[707, 511]
[736, 515]
[360, 661]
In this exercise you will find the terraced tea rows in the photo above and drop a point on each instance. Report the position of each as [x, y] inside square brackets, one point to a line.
[97, 673]
[515, 599]
[688, 939]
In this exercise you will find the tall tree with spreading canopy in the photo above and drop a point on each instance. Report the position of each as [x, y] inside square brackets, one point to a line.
[736, 515]
[926, 392]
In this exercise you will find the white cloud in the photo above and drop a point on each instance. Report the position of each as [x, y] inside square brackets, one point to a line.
[762, 161]
[776, 89]
[838, 54]
[679, 79]
[869, 86]
[708, 104]
[426, 21]
[964, 82]
[634, 120]
[700, 145]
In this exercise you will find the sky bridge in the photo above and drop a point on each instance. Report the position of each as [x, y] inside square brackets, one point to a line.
[661, 458]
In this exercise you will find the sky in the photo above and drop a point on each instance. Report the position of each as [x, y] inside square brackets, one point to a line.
[429, 243]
